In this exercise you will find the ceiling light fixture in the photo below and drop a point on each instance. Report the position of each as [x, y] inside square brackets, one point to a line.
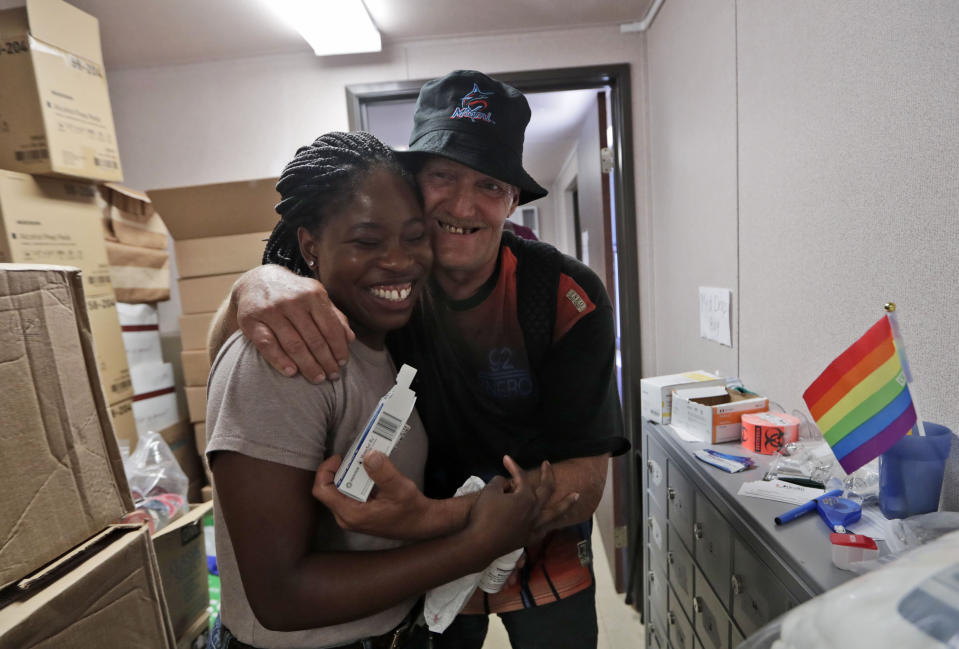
[330, 26]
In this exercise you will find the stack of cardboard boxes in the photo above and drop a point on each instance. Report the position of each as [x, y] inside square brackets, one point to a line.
[67, 570]
[63, 482]
[218, 232]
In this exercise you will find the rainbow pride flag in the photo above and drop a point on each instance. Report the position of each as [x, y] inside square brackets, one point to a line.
[861, 402]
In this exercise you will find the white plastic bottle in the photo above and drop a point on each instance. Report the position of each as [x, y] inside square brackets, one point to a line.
[498, 572]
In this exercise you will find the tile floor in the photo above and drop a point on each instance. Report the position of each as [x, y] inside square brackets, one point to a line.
[619, 626]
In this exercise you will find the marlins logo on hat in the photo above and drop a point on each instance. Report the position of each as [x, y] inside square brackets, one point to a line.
[477, 121]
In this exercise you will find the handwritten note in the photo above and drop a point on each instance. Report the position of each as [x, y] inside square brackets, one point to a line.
[714, 318]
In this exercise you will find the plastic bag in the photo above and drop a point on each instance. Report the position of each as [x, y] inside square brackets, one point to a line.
[911, 602]
[158, 484]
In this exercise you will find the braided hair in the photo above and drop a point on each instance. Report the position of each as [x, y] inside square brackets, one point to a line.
[321, 179]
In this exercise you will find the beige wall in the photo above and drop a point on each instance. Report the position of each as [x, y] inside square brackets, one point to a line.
[806, 155]
[232, 120]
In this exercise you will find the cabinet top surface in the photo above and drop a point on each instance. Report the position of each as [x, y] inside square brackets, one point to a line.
[801, 545]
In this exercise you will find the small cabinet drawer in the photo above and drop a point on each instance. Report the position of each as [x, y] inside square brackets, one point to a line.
[656, 528]
[680, 503]
[655, 479]
[712, 542]
[757, 595]
[657, 587]
[737, 638]
[679, 566]
[657, 635]
[709, 618]
[680, 628]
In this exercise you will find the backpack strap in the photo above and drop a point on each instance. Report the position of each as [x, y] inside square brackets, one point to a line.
[537, 283]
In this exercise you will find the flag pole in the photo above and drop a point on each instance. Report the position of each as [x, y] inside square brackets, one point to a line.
[890, 308]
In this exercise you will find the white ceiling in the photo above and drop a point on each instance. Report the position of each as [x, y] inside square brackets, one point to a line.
[139, 33]
[142, 33]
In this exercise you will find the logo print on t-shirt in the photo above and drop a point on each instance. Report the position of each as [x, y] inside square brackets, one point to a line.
[504, 380]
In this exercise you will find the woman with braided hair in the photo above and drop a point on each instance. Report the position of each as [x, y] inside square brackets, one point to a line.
[350, 217]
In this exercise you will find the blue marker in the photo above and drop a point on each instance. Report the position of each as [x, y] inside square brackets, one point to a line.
[793, 514]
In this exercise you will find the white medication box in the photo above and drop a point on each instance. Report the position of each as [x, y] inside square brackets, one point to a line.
[714, 414]
[656, 392]
[381, 433]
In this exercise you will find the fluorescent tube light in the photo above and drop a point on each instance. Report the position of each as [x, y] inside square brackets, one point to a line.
[330, 26]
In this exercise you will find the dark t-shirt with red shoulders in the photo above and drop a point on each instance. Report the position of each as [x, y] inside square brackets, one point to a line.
[478, 392]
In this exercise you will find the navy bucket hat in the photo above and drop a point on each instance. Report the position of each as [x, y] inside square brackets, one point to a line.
[477, 121]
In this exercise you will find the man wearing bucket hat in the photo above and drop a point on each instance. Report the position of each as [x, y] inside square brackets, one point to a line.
[514, 347]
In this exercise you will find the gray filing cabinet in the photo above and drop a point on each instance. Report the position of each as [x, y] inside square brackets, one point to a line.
[717, 566]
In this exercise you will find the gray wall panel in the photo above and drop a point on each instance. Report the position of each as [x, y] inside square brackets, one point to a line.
[846, 128]
[692, 158]
[849, 187]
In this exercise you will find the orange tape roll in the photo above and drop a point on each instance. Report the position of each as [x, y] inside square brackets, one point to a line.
[767, 432]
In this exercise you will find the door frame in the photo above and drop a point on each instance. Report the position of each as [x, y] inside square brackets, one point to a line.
[615, 77]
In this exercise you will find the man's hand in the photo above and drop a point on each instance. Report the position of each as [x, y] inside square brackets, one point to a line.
[575, 491]
[292, 322]
[395, 510]
[503, 517]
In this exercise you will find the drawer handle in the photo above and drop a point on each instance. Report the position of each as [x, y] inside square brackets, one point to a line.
[649, 466]
[672, 618]
[670, 558]
[698, 531]
[649, 522]
[651, 577]
[698, 604]
[737, 581]
[671, 492]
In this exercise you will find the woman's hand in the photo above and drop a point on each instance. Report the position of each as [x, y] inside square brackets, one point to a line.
[397, 509]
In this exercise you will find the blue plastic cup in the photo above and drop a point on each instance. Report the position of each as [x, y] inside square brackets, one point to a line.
[910, 473]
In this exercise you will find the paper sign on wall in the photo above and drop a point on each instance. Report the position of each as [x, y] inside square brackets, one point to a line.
[714, 316]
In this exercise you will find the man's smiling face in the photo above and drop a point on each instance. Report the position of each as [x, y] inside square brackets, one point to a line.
[466, 210]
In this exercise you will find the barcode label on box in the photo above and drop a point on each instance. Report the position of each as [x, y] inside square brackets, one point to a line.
[35, 154]
[386, 426]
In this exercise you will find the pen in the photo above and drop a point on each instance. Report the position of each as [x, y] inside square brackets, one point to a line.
[802, 482]
[795, 513]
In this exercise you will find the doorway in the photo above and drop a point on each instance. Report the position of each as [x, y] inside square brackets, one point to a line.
[370, 104]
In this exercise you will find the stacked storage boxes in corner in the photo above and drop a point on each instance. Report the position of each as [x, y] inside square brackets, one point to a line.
[62, 575]
[57, 121]
[68, 574]
[219, 231]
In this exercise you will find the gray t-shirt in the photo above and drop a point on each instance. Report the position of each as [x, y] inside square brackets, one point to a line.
[254, 410]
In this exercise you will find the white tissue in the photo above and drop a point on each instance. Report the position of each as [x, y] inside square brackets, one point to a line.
[444, 603]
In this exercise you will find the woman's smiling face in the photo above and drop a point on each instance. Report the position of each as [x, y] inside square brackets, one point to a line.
[373, 255]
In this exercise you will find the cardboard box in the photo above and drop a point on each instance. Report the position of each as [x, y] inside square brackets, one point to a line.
[154, 399]
[55, 105]
[217, 210]
[61, 474]
[199, 434]
[194, 330]
[204, 294]
[179, 437]
[139, 274]
[196, 367]
[140, 324]
[656, 392]
[124, 424]
[714, 414]
[197, 636]
[181, 556]
[130, 219]
[232, 253]
[108, 593]
[196, 403]
[52, 221]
